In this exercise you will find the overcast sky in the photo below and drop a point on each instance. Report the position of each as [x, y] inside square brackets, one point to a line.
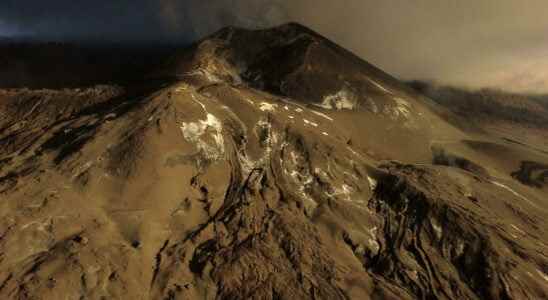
[477, 43]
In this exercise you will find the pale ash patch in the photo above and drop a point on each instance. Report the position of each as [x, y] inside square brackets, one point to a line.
[194, 131]
[182, 88]
[307, 122]
[216, 71]
[372, 241]
[372, 183]
[321, 173]
[403, 107]
[382, 88]
[354, 152]
[300, 177]
[437, 229]
[343, 99]
[517, 229]
[265, 106]
[544, 276]
[36, 236]
[271, 139]
[322, 115]
[402, 110]
[39, 226]
[294, 158]
[199, 103]
[345, 191]
[513, 192]
[303, 181]
[81, 170]
[289, 103]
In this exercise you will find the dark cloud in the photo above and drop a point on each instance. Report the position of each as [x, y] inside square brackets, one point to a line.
[203, 17]
[146, 20]
[501, 43]
[64, 19]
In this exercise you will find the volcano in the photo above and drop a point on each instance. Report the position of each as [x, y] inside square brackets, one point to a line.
[265, 164]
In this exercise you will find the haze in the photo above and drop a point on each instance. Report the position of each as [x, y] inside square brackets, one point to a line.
[490, 43]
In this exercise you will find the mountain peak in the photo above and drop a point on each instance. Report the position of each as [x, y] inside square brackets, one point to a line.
[282, 29]
[288, 60]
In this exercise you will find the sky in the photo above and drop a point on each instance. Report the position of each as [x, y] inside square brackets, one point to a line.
[472, 43]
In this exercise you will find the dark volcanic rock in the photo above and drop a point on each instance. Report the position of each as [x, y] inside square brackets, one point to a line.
[532, 173]
[262, 165]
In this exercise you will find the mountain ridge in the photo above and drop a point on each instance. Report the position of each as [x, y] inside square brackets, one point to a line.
[216, 181]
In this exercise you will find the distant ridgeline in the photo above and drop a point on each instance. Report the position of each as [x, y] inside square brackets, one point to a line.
[488, 103]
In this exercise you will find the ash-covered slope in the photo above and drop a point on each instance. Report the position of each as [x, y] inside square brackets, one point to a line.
[294, 62]
[520, 121]
[263, 167]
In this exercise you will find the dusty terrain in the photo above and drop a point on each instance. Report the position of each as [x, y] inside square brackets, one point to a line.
[265, 165]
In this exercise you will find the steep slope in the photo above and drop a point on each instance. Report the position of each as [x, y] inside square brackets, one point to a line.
[260, 165]
[293, 62]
